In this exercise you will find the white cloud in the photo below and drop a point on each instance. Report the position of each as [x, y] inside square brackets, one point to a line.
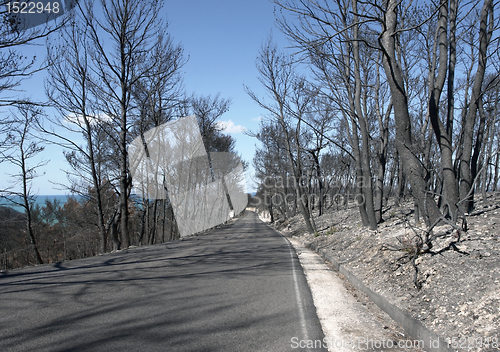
[257, 119]
[230, 127]
[78, 119]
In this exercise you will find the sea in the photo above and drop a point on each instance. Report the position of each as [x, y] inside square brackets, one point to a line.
[40, 200]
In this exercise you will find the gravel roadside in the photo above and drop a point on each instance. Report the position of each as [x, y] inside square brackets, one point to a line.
[350, 321]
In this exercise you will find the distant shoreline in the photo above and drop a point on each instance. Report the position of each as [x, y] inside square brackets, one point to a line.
[40, 200]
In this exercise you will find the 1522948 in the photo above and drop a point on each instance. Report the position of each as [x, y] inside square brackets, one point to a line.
[468, 343]
[26, 14]
[33, 7]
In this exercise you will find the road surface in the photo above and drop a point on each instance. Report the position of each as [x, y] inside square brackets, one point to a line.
[237, 288]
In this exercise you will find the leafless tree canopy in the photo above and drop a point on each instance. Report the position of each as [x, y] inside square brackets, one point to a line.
[398, 99]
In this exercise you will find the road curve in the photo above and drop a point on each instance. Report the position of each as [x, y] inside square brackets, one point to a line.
[237, 288]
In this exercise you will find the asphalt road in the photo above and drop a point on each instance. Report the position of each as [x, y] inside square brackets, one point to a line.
[238, 288]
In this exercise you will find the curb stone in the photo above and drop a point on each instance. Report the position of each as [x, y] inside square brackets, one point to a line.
[413, 327]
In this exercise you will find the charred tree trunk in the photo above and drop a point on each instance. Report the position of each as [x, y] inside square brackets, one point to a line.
[466, 177]
[367, 186]
[412, 166]
[444, 133]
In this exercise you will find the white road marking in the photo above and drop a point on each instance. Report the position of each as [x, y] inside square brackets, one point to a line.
[302, 317]
[346, 323]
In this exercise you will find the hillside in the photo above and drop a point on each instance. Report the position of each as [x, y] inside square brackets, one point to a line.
[459, 298]
[11, 221]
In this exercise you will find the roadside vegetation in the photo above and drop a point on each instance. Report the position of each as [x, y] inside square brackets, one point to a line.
[114, 72]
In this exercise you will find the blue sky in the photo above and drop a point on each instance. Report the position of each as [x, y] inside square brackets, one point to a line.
[222, 39]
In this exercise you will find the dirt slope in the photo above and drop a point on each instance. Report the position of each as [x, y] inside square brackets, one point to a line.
[459, 296]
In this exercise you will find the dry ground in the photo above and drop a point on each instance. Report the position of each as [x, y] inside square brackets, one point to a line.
[459, 296]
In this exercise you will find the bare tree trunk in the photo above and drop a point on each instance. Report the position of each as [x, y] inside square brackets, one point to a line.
[163, 219]
[31, 233]
[497, 166]
[416, 213]
[491, 138]
[383, 123]
[143, 222]
[112, 226]
[124, 158]
[302, 200]
[478, 146]
[400, 189]
[155, 223]
[367, 188]
[98, 196]
[354, 141]
[392, 177]
[485, 159]
[412, 166]
[443, 133]
[321, 188]
[466, 177]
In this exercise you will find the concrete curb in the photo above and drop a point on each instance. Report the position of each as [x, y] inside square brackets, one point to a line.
[414, 328]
